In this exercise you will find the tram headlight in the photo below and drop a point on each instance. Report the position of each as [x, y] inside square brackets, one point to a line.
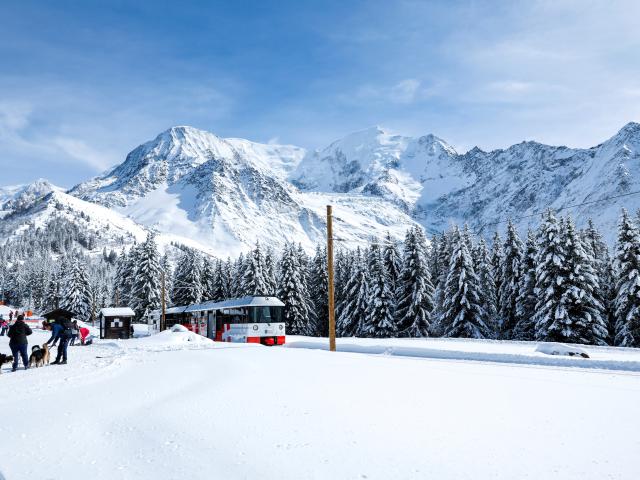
[281, 326]
[255, 327]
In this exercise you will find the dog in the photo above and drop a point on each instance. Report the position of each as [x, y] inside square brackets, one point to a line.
[39, 356]
[5, 359]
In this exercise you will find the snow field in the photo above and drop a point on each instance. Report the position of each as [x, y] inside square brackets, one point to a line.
[127, 409]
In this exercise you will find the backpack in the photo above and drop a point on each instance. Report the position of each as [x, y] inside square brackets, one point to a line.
[67, 326]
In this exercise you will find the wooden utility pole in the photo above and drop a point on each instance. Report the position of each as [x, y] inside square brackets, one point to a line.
[332, 311]
[163, 321]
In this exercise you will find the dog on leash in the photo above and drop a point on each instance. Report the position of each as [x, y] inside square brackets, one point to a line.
[5, 359]
[39, 356]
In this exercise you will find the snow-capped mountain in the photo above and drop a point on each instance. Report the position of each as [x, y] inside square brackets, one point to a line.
[427, 178]
[21, 197]
[223, 195]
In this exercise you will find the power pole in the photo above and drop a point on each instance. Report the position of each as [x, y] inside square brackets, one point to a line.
[164, 304]
[332, 313]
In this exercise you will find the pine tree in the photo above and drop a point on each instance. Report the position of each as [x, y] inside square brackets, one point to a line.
[598, 251]
[354, 308]
[76, 295]
[187, 286]
[379, 314]
[209, 280]
[584, 311]
[497, 257]
[320, 291]
[415, 290]
[392, 263]
[219, 292]
[444, 258]
[290, 291]
[483, 267]
[551, 275]
[510, 281]
[463, 315]
[166, 269]
[147, 283]
[627, 285]
[253, 280]
[526, 303]
[269, 271]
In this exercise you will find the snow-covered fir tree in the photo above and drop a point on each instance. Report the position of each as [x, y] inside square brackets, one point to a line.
[269, 272]
[526, 302]
[484, 270]
[584, 311]
[254, 281]
[627, 285]
[497, 256]
[147, 282]
[598, 252]
[463, 315]
[290, 291]
[75, 292]
[353, 311]
[551, 275]
[187, 281]
[510, 281]
[392, 262]
[379, 320]
[319, 290]
[414, 289]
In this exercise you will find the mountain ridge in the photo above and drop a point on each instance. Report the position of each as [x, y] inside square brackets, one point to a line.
[221, 195]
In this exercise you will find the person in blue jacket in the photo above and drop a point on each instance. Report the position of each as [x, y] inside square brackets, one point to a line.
[65, 335]
[56, 330]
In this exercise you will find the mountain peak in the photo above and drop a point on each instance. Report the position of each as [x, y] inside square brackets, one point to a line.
[630, 129]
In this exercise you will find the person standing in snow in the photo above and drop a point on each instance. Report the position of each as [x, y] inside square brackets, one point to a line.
[4, 326]
[75, 330]
[65, 335]
[18, 342]
[56, 330]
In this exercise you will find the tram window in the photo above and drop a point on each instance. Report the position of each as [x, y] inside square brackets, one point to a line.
[267, 314]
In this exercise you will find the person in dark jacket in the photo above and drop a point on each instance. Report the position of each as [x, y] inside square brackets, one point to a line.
[18, 333]
[56, 330]
[65, 335]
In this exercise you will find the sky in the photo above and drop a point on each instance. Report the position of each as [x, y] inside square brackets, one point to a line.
[82, 83]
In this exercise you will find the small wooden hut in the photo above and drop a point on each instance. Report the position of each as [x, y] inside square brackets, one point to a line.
[115, 323]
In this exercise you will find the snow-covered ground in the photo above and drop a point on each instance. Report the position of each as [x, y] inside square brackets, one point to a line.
[175, 405]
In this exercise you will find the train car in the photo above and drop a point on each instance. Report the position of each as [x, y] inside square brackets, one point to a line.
[257, 319]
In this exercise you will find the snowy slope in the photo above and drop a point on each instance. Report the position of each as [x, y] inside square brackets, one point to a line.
[161, 408]
[227, 193]
[109, 227]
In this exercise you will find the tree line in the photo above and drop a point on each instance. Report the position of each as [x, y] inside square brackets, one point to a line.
[558, 284]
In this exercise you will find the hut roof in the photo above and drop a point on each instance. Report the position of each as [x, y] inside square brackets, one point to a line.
[57, 313]
[117, 312]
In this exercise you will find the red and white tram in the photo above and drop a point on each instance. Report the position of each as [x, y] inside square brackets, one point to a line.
[247, 319]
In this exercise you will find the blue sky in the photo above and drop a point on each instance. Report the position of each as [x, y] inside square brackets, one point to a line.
[84, 82]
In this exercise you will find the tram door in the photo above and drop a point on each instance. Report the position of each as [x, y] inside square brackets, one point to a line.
[211, 325]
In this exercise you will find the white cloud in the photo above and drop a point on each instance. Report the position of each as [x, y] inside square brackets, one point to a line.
[80, 151]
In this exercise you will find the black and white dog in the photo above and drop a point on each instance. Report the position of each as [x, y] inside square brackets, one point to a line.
[4, 359]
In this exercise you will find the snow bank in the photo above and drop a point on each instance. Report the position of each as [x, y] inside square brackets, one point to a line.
[496, 351]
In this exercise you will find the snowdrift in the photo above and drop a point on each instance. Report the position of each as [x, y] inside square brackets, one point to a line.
[176, 335]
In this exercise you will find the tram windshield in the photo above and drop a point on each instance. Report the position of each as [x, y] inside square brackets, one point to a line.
[266, 314]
